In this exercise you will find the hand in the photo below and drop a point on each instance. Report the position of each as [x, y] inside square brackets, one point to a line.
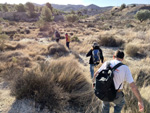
[141, 106]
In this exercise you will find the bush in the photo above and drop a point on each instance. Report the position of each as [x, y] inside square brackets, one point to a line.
[46, 14]
[131, 50]
[72, 18]
[123, 6]
[3, 38]
[142, 15]
[75, 39]
[20, 8]
[90, 25]
[55, 85]
[110, 41]
[4, 8]
[30, 9]
[49, 6]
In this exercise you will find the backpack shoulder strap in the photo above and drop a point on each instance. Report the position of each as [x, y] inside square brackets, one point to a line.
[116, 66]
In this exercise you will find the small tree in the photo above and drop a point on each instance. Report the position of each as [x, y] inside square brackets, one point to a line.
[142, 15]
[49, 6]
[72, 12]
[4, 8]
[123, 6]
[20, 8]
[30, 9]
[46, 14]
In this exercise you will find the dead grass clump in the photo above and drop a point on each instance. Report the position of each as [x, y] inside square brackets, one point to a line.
[8, 55]
[16, 57]
[131, 101]
[14, 47]
[57, 50]
[143, 77]
[90, 25]
[55, 85]
[110, 41]
[11, 71]
[131, 50]
[3, 38]
[39, 58]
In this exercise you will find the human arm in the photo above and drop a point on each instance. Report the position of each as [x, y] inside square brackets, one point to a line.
[101, 56]
[89, 53]
[138, 96]
[94, 77]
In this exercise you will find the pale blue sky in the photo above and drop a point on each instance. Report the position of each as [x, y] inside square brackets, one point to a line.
[100, 3]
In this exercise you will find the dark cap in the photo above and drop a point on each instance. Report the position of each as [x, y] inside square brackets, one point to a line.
[119, 54]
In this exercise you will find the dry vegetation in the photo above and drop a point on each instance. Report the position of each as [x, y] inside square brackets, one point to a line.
[37, 68]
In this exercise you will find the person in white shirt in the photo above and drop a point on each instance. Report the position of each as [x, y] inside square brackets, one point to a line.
[121, 74]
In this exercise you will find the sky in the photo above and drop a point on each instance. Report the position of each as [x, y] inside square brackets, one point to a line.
[101, 3]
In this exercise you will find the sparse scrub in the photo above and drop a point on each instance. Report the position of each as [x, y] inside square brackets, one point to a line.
[43, 26]
[110, 41]
[55, 85]
[72, 18]
[131, 50]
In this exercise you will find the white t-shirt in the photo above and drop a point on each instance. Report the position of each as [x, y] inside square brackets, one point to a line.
[121, 74]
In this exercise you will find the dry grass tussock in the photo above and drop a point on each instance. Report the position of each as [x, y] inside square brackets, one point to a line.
[14, 47]
[56, 85]
[81, 48]
[57, 50]
[131, 50]
[140, 72]
[110, 41]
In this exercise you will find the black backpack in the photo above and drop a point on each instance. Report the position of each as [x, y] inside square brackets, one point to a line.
[104, 87]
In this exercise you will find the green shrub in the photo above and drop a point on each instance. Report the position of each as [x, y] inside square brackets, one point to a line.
[42, 25]
[4, 8]
[75, 39]
[129, 26]
[142, 15]
[20, 8]
[46, 14]
[3, 38]
[123, 6]
[110, 41]
[72, 18]
[30, 9]
[131, 50]
[49, 6]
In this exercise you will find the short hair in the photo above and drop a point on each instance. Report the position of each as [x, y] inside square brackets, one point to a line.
[119, 54]
[95, 44]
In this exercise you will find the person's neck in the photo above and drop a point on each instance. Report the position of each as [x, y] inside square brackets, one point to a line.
[119, 59]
